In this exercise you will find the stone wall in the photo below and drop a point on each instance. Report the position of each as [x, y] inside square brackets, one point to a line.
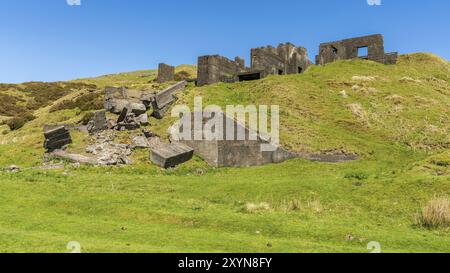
[215, 68]
[348, 49]
[166, 73]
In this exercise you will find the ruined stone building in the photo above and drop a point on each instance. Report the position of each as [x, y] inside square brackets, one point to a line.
[285, 59]
[367, 47]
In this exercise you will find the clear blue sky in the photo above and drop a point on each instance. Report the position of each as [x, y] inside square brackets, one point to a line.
[48, 40]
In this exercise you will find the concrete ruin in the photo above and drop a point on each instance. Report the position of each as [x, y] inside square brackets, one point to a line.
[367, 47]
[117, 98]
[98, 123]
[223, 152]
[265, 61]
[171, 155]
[162, 101]
[166, 73]
[56, 137]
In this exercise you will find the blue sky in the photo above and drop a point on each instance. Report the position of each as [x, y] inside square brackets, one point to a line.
[48, 40]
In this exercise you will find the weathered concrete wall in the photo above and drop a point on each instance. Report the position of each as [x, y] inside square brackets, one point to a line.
[166, 73]
[215, 68]
[234, 153]
[348, 49]
[285, 59]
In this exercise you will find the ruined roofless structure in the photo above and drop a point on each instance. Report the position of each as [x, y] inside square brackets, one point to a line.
[367, 47]
[285, 59]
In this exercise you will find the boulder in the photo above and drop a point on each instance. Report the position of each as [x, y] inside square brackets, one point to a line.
[136, 108]
[171, 155]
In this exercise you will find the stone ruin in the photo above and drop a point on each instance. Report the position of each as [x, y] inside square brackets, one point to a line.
[56, 137]
[166, 73]
[367, 47]
[265, 61]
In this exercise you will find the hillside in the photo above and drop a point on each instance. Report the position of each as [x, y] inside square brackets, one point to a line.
[394, 117]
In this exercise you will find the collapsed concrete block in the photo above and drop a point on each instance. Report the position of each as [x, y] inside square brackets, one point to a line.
[166, 73]
[136, 108]
[171, 155]
[56, 137]
[117, 98]
[162, 101]
[98, 123]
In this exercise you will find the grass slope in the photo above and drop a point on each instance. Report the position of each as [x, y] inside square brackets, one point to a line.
[394, 117]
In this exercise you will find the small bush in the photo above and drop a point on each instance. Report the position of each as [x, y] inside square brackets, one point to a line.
[87, 102]
[356, 175]
[182, 75]
[435, 214]
[18, 122]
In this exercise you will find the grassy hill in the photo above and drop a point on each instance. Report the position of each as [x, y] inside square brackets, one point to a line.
[394, 117]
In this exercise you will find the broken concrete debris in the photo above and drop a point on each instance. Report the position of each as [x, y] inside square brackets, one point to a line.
[56, 137]
[171, 155]
[98, 123]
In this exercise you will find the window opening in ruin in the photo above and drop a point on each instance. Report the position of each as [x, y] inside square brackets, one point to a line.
[363, 51]
[335, 50]
[300, 70]
[280, 72]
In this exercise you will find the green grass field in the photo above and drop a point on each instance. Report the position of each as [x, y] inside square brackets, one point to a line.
[396, 118]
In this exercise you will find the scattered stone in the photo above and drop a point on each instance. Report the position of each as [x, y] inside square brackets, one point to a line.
[140, 142]
[110, 153]
[111, 124]
[97, 123]
[60, 154]
[148, 134]
[171, 155]
[12, 169]
[56, 137]
[343, 94]
[136, 108]
[129, 123]
[143, 120]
